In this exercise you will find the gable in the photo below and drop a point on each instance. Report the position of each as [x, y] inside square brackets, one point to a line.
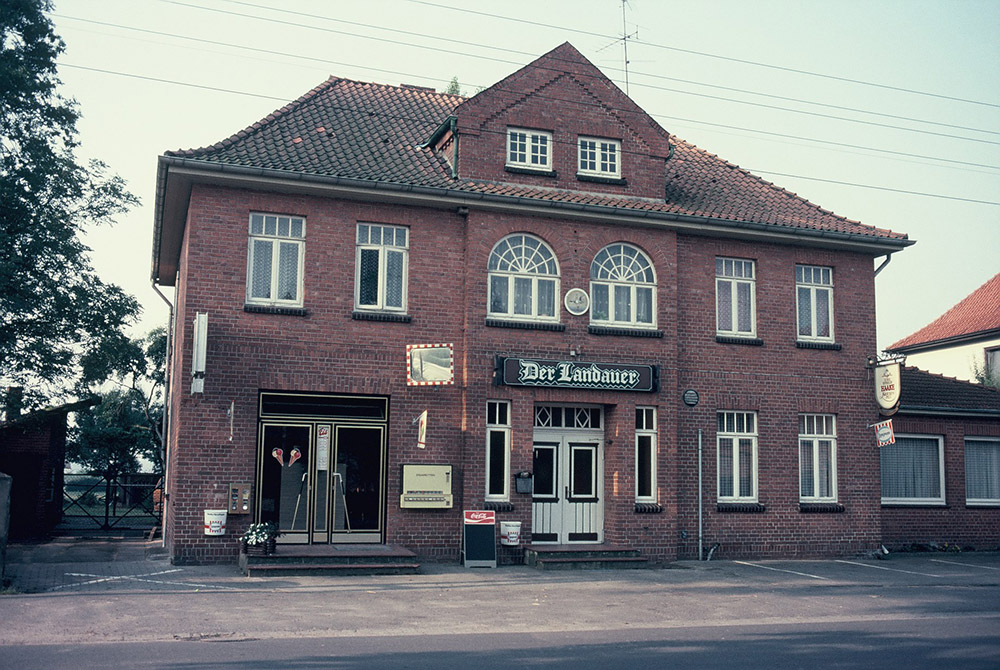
[562, 95]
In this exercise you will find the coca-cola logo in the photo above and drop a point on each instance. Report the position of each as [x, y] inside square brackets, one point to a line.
[487, 516]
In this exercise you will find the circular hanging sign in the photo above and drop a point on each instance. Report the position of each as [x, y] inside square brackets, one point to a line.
[577, 301]
[690, 397]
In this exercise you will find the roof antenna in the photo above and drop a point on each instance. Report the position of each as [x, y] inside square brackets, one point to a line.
[625, 38]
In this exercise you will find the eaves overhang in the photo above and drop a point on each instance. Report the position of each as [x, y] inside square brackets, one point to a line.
[929, 410]
[947, 342]
[176, 175]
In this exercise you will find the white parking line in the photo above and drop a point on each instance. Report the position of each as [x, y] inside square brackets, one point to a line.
[138, 578]
[880, 567]
[968, 565]
[766, 567]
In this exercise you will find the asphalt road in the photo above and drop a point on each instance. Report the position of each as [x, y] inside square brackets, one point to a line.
[135, 610]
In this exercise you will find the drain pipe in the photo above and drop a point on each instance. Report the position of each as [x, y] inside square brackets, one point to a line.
[888, 257]
[700, 554]
[712, 551]
[165, 428]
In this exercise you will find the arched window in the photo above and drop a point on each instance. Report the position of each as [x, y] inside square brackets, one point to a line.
[524, 279]
[623, 287]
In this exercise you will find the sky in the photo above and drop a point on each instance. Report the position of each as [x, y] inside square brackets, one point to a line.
[883, 112]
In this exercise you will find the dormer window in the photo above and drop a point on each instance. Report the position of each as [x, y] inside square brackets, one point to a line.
[600, 158]
[529, 149]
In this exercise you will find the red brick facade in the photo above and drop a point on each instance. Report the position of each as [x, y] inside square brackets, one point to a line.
[453, 223]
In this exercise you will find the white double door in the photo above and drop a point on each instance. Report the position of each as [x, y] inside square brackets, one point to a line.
[567, 499]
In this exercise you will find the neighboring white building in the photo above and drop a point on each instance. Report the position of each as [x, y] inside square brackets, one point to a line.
[961, 341]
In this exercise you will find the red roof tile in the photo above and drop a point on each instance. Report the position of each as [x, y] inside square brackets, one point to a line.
[978, 313]
[377, 133]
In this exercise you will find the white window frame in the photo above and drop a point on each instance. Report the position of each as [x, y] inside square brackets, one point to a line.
[814, 430]
[811, 281]
[529, 149]
[993, 464]
[645, 437]
[622, 267]
[266, 227]
[514, 260]
[938, 500]
[498, 423]
[733, 272]
[599, 157]
[732, 426]
[363, 237]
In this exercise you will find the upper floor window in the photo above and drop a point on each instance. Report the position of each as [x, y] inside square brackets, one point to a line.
[735, 299]
[814, 302]
[523, 279]
[817, 458]
[530, 149]
[645, 454]
[623, 287]
[737, 454]
[274, 267]
[913, 470]
[381, 267]
[982, 471]
[600, 158]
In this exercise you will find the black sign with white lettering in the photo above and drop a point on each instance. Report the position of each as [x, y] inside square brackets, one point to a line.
[576, 375]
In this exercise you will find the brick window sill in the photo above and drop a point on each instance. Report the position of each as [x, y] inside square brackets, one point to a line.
[513, 169]
[749, 341]
[597, 179]
[525, 325]
[387, 317]
[832, 346]
[273, 309]
[648, 508]
[821, 508]
[498, 506]
[625, 332]
[740, 508]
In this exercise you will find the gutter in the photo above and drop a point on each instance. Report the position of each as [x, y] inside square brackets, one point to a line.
[442, 197]
[947, 411]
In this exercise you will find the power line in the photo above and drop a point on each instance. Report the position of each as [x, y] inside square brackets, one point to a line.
[452, 40]
[717, 56]
[539, 95]
[519, 65]
[268, 97]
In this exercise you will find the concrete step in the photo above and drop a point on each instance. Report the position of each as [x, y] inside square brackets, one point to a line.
[330, 560]
[329, 569]
[583, 557]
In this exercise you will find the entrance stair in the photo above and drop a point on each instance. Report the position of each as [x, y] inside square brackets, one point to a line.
[583, 557]
[331, 559]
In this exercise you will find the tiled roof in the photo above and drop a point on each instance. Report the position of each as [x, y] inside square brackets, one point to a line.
[377, 133]
[929, 391]
[979, 312]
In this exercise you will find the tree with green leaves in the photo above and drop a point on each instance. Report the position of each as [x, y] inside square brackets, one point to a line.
[53, 306]
[126, 426]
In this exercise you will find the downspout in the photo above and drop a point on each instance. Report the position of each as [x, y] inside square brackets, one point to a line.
[701, 555]
[453, 124]
[888, 257]
[166, 412]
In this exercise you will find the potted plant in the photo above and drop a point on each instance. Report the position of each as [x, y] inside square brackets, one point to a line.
[260, 538]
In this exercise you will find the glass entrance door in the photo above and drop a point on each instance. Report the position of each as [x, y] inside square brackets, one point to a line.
[323, 482]
[357, 484]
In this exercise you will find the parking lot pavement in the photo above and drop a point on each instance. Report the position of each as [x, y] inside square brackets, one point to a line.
[70, 564]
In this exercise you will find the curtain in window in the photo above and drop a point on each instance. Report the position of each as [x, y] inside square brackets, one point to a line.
[911, 469]
[982, 470]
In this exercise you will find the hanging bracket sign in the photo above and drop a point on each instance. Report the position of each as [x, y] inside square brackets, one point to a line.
[576, 375]
[887, 387]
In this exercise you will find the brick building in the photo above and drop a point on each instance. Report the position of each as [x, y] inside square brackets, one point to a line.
[603, 297]
[941, 479]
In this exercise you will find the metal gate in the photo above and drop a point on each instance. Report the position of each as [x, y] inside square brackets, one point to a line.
[92, 501]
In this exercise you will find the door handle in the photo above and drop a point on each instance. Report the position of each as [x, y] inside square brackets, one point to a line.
[566, 492]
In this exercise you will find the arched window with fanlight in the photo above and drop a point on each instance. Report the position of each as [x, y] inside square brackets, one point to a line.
[622, 287]
[523, 279]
